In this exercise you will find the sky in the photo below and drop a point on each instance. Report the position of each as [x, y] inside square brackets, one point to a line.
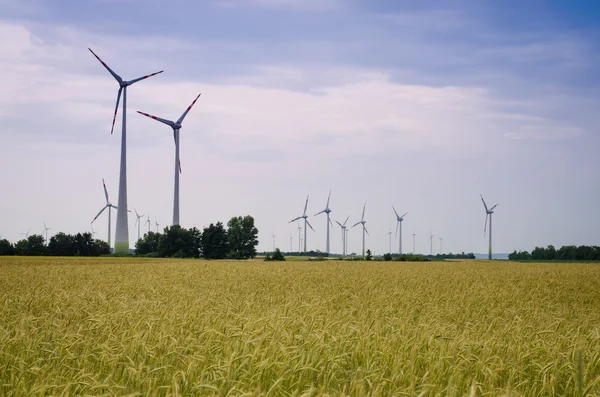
[418, 105]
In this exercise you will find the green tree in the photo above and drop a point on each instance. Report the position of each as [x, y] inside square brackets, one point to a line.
[387, 257]
[277, 255]
[147, 244]
[214, 242]
[243, 237]
[32, 246]
[178, 242]
[369, 255]
[61, 244]
[6, 248]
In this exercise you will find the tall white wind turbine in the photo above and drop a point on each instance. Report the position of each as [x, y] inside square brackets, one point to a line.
[488, 213]
[46, 228]
[327, 211]
[364, 228]
[399, 220]
[122, 232]
[343, 226]
[306, 223]
[110, 207]
[138, 222]
[176, 126]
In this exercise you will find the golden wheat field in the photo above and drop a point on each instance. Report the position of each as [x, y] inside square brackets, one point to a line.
[113, 326]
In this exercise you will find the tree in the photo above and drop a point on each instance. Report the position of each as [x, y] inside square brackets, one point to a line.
[243, 237]
[61, 244]
[147, 244]
[277, 255]
[214, 242]
[369, 255]
[177, 242]
[387, 257]
[6, 248]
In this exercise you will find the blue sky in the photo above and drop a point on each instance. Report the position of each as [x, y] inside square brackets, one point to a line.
[420, 105]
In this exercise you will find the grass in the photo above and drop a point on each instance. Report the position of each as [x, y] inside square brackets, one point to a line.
[126, 326]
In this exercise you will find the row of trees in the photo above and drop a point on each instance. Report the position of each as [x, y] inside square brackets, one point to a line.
[60, 244]
[565, 253]
[238, 241]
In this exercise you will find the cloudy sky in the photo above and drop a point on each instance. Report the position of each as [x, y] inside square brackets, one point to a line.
[421, 105]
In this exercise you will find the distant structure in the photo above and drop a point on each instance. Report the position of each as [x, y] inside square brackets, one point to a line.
[430, 242]
[306, 223]
[122, 232]
[488, 213]
[138, 222]
[327, 211]
[46, 228]
[414, 235]
[399, 220]
[344, 234]
[390, 236]
[176, 126]
[363, 222]
[148, 223]
[108, 205]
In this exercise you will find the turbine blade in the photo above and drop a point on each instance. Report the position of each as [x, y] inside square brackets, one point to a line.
[356, 224]
[295, 219]
[308, 223]
[319, 213]
[346, 220]
[331, 223]
[180, 120]
[137, 220]
[339, 224]
[116, 76]
[136, 213]
[305, 205]
[116, 109]
[105, 191]
[164, 121]
[101, 211]
[397, 227]
[491, 209]
[366, 231]
[144, 77]
[363, 214]
[395, 212]
[328, 197]
[180, 167]
[404, 215]
[485, 225]
[484, 204]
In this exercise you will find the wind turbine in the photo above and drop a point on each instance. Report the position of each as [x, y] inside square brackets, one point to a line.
[176, 126]
[306, 223]
[26, 234]
[109, 206]
[414, 235]
[441, 239]
[399, 220]
[273, 237]
[46, 228]
[343, 226]
[390, 234]
[299, 231]
[138, 222]
[327, 211]
[148, 222]
[488, 213]
[362, 222]
[430, 242]
[122, 232]
[156, 224]
[93, 231]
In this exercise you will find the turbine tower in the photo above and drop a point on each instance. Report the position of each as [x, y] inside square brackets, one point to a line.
[488, 213]
[122, 232]
[327, 211]
[344, 231]
[430, 242]
[306, 223]
[362, 222]
[273, 237]
[176, 126]
[390, 235]
[110, 207]
[46, 228]
[138, 222]
[148, 223]
[156, 224]
[399, 220]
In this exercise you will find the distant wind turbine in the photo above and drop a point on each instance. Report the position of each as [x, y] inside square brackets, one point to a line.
[149, 223]
[138, 222]
[176, 126]
[299, 231]
[46, 228]
[109, 206]
[156, 224]
[414, 235]
[399, 220]
[390, 235]
[488, 213]
[343, 226]
[26, 234]
[273, 237]
[93, 231]
[430, 243]
[363, 222]
[122, 232]
[306, 223]
[327, 211]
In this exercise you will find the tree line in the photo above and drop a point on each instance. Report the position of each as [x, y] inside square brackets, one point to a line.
[238, 241]
[565, 253]
[61, 244]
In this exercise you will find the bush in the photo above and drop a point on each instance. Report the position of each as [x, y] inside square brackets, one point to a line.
[387, 257]
[277, 255]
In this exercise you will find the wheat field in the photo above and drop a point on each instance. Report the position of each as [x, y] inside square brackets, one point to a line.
[123, 326]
